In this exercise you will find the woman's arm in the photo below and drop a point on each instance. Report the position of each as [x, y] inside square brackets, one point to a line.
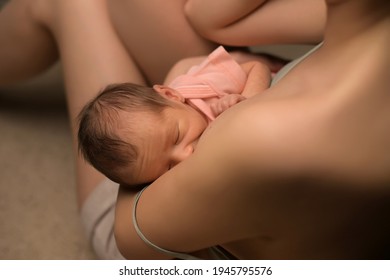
[242, 22]
[208, 15]
[129, 243]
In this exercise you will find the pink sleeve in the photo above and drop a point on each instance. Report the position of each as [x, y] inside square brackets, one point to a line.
[219, 71]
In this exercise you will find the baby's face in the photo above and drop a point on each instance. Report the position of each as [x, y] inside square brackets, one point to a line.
[166, 141]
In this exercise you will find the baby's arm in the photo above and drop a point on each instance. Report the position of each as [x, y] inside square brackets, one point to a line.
[258, 78]
[254, 22]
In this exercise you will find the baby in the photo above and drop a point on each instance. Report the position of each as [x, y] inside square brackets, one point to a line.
[133, 134]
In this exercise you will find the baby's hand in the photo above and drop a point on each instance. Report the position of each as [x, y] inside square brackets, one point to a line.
[225, 103]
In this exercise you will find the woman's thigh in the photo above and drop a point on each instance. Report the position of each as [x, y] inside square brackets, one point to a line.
[157, 34]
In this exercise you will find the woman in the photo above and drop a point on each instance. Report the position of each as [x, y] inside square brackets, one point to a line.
[298, 172]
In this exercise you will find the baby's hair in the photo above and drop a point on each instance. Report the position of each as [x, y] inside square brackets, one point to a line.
[98, 140]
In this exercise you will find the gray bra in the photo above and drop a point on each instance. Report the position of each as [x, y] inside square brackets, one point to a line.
[216, 252]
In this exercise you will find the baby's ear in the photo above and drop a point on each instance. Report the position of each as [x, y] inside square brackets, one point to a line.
[169, 93]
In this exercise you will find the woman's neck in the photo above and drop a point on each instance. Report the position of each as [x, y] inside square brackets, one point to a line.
[356, 39]
[356, 46]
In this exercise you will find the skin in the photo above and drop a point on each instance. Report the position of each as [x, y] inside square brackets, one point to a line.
[294, 185]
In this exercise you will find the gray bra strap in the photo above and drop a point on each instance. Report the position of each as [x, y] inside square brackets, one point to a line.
[177, 255]
[287, 68]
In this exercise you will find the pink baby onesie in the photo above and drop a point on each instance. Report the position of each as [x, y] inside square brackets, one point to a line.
[218, 75]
